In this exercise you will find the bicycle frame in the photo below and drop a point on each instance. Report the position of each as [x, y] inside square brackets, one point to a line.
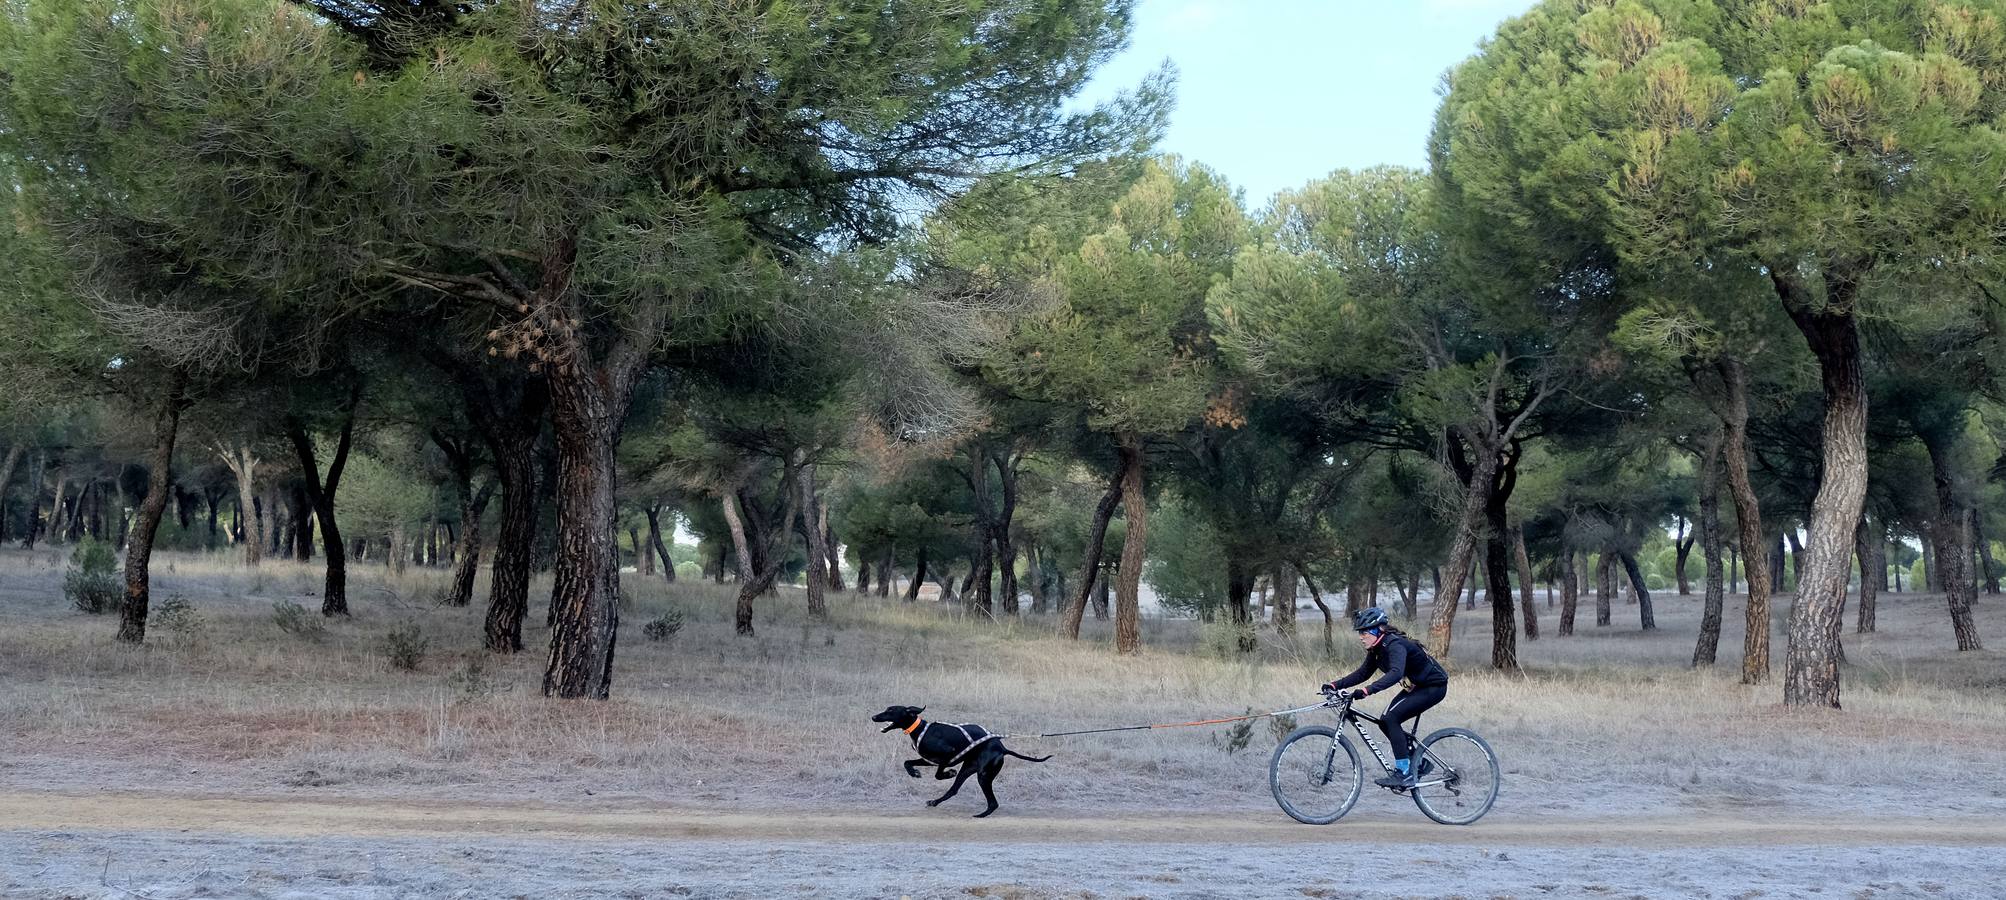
[1347, 715]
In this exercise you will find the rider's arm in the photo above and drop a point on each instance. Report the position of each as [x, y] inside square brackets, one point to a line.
[1363, 672]
[1396, 667]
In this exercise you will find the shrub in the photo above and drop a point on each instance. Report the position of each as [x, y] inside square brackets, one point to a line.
[664, 626]
[297, 621]
[177, 615]
[92, 583]
[405, 645]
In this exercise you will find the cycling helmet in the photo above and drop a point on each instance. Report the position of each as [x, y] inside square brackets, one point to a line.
[1368, 618]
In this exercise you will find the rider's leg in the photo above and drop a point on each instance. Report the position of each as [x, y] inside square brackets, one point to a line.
[1408, 705]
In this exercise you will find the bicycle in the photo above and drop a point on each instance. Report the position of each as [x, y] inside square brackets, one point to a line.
[1316, 764]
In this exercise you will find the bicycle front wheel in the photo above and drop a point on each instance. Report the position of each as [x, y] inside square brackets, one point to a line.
[1459, 777]
[1315, 775]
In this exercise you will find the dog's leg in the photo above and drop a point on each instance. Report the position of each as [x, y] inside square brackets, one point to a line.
[910, 763]
[986, 778]
[958, 779]
[943, 773]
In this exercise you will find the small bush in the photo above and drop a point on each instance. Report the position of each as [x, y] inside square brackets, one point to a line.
[92, 583]
[664, 626]
[177, 615]
[405, 645]
[297, 621]
[474, 680]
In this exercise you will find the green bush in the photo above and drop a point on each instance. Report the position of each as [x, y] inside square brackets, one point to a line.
[405, 646]
[664, 626]
[297, 621]
[177, 615]
[92, 583]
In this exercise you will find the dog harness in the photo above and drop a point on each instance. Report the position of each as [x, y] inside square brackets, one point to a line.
[917, 731]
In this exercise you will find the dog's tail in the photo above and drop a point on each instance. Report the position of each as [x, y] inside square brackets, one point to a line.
[1014, 753]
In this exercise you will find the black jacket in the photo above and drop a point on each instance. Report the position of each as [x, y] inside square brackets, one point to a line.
[1399, 657]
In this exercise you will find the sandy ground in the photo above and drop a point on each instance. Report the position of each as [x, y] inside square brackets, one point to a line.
[127, 845]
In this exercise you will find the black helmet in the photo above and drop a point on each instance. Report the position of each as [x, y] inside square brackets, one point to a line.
[1368, 618]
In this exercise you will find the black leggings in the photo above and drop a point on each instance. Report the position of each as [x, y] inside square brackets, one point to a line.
[1408, 705]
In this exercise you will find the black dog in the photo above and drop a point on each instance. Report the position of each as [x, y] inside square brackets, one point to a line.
[942, 746]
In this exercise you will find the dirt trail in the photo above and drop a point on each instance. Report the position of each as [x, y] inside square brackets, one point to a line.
[364, 818]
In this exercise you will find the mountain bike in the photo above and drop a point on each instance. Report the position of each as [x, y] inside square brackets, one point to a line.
[1316, 776]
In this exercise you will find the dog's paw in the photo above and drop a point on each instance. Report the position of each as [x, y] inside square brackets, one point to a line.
[913, 772]
[984, 814]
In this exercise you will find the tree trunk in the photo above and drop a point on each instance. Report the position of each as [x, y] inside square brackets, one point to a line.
[321, 494]
[884, 574]
[834, 550]
[36, 470]
[1285, 602]
[1683, 548]
[818, 552]
[1642, 594]
[588, 403]
[1462, 551]
[863, 577]
[661, 551]
[1951, 535]
[1128, 598]
[159, 480]
[1570, 589]
[1730, 406]
[1504, 631]
[7, 464]
[1316, 596]
[515, 537]
[467, 545]
[398, 552]
[1527, 608]
[1239, 594]
[1988, 569]
[1101, 590]
[57, 509]
[1605, 585]
[1811, 661]
[1708, 647]
[1069, 621]
[1006, 552]
[739, 544]
[244, 465]
[302, 519]
[982, 562]
[919, 578]
[1868, 544]
[1796, 557]
[764, 537]
[1932, 577]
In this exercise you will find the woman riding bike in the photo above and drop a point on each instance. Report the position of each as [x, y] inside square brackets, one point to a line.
[1391, 651]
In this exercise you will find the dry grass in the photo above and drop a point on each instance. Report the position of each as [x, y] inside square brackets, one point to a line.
[1607, 721]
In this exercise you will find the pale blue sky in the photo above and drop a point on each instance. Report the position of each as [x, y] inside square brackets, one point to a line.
[1273, 93]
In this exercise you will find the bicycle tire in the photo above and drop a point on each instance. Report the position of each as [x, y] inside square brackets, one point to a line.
[1316, 763]
[1472, 787]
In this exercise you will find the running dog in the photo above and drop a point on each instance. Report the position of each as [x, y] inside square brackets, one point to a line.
[944, 747]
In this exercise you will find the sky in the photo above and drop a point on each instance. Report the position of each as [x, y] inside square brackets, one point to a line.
[1274, 93]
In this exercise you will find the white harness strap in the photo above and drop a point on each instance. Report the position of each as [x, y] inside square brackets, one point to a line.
[974, 740]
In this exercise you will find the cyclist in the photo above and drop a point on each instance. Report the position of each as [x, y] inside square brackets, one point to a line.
[1391, 651]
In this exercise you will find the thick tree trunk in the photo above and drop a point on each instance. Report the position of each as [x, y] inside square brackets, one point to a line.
[321, 493]
[1641, 593]
[919, 578]
[399, 553]
[1523, 563]
[1811, 662]
[884, 575]
[1128, 596]
[1868, 544]
[243, 464]
[835, 552]
[1570, 589]
[1951, 535]
[1239, 595]
[1069, 620]
[515, 537]
[1477, 487]
[588, 404]
[863, 577]
[740, 546]
[1497, 572]
[159, 480]
[818, 552]
[1709, 535]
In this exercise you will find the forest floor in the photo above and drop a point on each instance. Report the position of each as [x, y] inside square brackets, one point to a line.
[228, 758]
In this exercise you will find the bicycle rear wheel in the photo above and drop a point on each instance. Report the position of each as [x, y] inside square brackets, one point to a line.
[1315, 775]
[1459, 777]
